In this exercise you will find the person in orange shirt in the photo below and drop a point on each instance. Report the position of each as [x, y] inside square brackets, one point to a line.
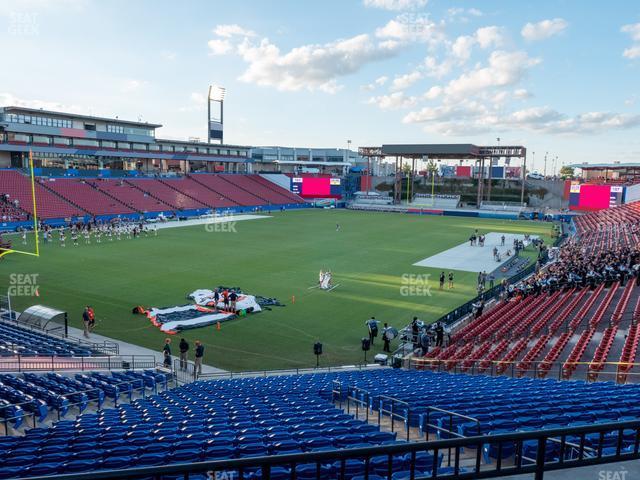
[225, 298]
[92, 317]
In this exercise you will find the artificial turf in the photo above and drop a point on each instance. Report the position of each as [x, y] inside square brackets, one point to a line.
[371, 257]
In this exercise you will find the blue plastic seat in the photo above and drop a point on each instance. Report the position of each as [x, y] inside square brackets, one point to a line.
[380, 464]
[185, 456]
[118, 462]
[81, 465]
[42, 469]
[147, 459]
[351, 468]
[20, 460]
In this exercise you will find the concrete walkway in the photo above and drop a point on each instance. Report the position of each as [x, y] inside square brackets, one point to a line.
[127, 349]
[629, 470]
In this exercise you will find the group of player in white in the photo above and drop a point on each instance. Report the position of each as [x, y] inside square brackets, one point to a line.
[95, 232]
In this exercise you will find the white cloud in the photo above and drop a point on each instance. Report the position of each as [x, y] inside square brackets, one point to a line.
[470, 117]
[197, 103]
[7, 99]
[395, 4]
[544, 29]
[634, 32]
[442, 113]
[463, 14]
[219, 46]
[405, 81]
[132, 85]
[632, 52]
[413, 28]
[489, 37]
[310, 67]
[521, 94]
[393, 101]
[378, 82]
[462, 48]
[478, 101]
[504, 69]
[438, 70]
[433, 93]
[228, 31]
[534, 116]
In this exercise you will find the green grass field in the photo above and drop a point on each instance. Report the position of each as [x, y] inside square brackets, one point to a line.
[276, 257]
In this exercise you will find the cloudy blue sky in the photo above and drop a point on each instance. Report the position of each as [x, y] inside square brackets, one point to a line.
[558, 76]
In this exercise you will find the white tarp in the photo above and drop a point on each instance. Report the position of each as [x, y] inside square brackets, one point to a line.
[205, 297]
[200, 314]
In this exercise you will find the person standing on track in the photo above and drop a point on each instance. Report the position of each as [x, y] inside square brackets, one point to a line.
[386, 338]
[86, 321]
[233, 298]
[372, 326]
[166, 351]
[198, 358]
[225, 298]
[92, 317]
[184, 351]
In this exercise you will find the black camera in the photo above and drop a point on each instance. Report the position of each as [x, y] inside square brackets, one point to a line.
[366, 344]
[317, 348]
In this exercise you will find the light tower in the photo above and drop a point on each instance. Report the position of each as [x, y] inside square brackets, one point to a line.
[215, 113]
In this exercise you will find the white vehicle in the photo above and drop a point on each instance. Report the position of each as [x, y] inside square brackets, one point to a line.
[535, 176]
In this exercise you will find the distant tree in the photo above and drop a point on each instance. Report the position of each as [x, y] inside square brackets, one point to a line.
[567, 171]
[432, 167]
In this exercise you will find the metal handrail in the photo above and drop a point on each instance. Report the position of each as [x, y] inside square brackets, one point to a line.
[509, 368]
[392, 413]
[20, 363]
[102, 347]
[352, 393]
[451, 415]
[336, 391]
[75, 404]
[497, 469]
[289, 371]
[27, 413]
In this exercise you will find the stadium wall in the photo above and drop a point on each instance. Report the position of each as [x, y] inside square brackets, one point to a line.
[5, 160]
[632, 193]
[59, 222]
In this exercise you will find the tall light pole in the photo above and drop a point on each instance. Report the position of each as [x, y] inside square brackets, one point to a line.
[215, 124]
[555, 163]
[524, 177]
[545, 163]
